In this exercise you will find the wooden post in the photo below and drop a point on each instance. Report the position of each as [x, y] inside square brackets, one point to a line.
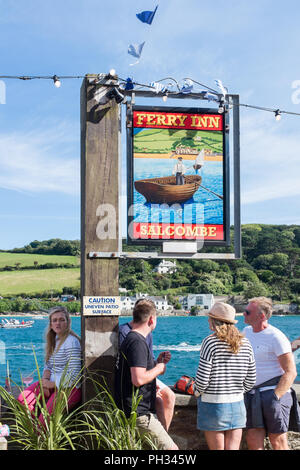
[100, 128]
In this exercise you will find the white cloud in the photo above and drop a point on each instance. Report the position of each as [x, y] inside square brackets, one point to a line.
[39, 161]
[270, 163]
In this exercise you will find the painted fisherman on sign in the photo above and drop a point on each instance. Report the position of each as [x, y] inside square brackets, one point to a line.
[179, 171]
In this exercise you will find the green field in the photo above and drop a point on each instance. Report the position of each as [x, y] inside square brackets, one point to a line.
[166, 140]
[25, 259]
[38, 280]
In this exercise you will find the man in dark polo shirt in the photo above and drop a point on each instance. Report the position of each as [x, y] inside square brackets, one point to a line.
[136, 369]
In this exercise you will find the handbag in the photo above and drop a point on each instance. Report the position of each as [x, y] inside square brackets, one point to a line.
[185, 385]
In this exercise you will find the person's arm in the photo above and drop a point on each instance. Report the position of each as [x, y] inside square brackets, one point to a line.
[287, 363]
[203, 375]
[204, 367]
[250, 378]
[47, 384]
[72, 370]
[46, 374]
[141, 376]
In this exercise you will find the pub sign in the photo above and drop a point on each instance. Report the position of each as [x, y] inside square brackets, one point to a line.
[178, 175]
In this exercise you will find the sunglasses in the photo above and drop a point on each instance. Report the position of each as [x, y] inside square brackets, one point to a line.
[247, 312]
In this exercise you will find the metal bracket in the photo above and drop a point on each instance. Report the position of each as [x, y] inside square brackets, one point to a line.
[156, 255]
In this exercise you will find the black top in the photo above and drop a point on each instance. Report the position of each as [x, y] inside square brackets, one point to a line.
[134, 352]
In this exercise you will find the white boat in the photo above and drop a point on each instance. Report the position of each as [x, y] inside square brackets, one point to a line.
[13, 323]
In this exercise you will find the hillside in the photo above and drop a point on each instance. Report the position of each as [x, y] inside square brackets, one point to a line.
[35, 282]
[270, 266]
[166, 140]
[21, 260]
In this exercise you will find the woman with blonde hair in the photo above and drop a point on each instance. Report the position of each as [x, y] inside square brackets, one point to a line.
[62, 364]
[226, 371]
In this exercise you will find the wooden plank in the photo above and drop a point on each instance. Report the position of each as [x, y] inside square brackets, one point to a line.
[100, 127]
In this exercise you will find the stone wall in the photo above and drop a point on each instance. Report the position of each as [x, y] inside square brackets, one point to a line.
[185, 434]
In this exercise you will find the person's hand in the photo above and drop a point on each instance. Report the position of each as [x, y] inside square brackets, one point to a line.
[47, 384]
[46, 392]
[295, 344]
[164, 357]
[162, 368]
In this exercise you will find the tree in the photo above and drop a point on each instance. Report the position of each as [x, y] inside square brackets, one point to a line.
[280, 287]
[253, 289]
[244, 274]
[208, 284]
[294, 285]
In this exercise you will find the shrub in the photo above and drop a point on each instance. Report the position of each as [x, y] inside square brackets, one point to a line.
[95, 425]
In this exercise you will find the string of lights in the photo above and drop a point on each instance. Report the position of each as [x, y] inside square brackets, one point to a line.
[167, 90]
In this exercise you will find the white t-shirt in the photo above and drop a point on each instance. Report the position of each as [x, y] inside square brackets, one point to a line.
[267, 345]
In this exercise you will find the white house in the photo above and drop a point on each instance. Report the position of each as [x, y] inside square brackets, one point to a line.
[203, 301]
[127, 304]
[161, 303]
[166, 266]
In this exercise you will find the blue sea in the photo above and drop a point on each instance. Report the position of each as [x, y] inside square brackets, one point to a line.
[182, 336]
[204, 207]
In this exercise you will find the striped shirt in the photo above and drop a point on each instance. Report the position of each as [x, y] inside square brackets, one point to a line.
[222, 376]
[65, 363]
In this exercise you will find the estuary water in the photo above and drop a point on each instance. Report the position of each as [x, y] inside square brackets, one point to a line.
[182, 336]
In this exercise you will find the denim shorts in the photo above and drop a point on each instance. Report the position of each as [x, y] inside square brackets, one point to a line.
[220, 416]
[276, 412]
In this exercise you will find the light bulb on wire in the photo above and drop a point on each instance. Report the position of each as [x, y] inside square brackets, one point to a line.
[221, 106]
[165, 97]
[56, 81]
[112, 73]
[277, 115]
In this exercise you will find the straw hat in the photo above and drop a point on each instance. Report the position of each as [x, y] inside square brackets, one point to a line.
[222, 312]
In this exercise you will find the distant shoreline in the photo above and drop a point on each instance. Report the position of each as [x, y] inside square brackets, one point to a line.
[207, 158]
[28, 314]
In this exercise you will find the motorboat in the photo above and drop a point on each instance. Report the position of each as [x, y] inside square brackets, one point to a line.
[13, 323]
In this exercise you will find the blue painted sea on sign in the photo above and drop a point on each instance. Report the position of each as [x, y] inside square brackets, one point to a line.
[204, 207]
[182, 336]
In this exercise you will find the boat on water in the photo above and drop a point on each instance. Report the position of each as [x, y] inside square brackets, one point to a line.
[13, 323]
[165, 190]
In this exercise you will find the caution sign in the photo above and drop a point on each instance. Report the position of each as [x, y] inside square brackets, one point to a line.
[103, 305]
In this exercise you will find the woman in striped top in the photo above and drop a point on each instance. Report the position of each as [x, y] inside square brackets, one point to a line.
[226, 371]
[62, 364]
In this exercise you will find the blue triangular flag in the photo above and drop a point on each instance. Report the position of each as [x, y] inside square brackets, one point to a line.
[136, 49]
[146, 16]
[129, 84]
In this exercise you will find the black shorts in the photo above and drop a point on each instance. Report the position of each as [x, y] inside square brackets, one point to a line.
[276, 412]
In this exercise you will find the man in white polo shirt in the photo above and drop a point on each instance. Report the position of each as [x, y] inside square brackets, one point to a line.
[270, 402]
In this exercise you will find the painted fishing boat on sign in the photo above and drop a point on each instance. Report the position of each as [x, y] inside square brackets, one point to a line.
[165, 190]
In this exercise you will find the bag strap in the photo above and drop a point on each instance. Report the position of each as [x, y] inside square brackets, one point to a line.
[190, 382]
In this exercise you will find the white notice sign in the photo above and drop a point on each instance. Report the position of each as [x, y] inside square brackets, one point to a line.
[103, 305]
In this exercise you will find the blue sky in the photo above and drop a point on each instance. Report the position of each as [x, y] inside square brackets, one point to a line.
[253, 47]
